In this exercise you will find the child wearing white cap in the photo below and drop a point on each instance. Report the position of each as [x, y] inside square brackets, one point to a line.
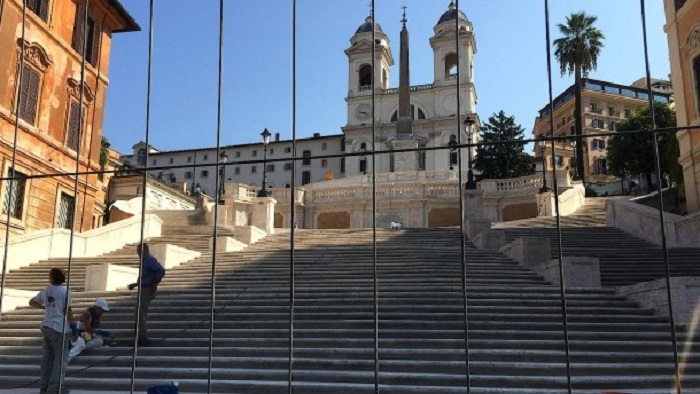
[88, 330]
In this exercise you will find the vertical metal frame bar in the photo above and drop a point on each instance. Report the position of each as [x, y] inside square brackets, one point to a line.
[13, 161]
[462, 254]
[657, 162]
[143, 189]
[292, 199]
[375, 285]
[219, 173]
[555, 183]
[81, 116]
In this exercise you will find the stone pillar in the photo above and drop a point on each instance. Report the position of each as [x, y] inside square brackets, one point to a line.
[405, 161]
[476, 226]
[578, 272]
[545, 204]
[490, 240]
[529, 251]
[472, 204]
[264, 214]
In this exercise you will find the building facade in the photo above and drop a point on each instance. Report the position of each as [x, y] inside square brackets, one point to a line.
[51, 132]
[683, 32]
[605, 105]
[245, 163]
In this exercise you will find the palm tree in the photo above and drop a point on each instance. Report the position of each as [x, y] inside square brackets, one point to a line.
[577, 52]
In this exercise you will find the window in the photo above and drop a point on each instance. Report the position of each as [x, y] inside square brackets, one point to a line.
[188, 175]
[305, 177]
[204, 174]
[66, 210]
[307, 158]
[611, 111]
[363, 165]
[172, 177]
[602, 166]
[253, 169]
[29, 95]
[365, 77]
[171, 160]
[696, 73]
[598, 144]
[270, 168]
[272, 151]
[559, 161]
[40, 8]
[189, 159]
[597, 124]
[160, 175]
[342, 165]
[237, 170]
[324, 146]
[416, 113]
[454, 158]
[74, 125]
[254, 153]
[141, 157]
[324, 163]
[288, 150]
[287, 166]
[238, 154]
[154, 161]
[627, 113]
[342, 144]
[572, 130]
[451, 66]
[93, 31]
[14, 194]
[612, 126]
[594, 108]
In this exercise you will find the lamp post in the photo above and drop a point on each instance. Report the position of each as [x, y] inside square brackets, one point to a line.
[543, 142]
[573, 146]
[222, 174]
[453, 147]
[266, 140]
[469, 123]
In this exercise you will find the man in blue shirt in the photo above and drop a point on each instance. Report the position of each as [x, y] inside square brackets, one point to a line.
[151, 275]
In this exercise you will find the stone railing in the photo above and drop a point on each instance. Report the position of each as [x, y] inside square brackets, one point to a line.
[284, 195]
[523, 184]
[416, 88]
[398, 192]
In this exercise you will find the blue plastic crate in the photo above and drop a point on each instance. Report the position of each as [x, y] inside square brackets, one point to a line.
[169, 389]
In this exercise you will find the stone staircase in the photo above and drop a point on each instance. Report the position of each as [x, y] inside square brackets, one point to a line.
[624, 259]
[515, 328]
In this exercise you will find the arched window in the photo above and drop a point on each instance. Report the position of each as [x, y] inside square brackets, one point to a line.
[141, 157]
[451, 66]
[454, 158]
[307, 158]
[416, 113]
[365, 76]
[305, 177]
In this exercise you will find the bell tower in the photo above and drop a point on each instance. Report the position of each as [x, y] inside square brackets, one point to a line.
[360, 60]
[444, 48]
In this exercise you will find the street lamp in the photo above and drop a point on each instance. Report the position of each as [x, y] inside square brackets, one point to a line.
[543, 142]
[222, 175]
[573, 147]
[471, 185]
[453, 147]
[266, 140]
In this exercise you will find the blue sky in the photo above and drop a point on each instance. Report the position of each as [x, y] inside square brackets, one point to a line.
[510, 64]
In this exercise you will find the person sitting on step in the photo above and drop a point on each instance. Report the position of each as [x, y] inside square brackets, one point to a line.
[88, 331]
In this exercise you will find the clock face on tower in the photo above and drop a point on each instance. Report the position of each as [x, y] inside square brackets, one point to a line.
[363, 112]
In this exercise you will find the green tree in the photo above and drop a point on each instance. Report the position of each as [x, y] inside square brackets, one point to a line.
[577, 52]
[633, 154]
[498, 159]
[104, 153]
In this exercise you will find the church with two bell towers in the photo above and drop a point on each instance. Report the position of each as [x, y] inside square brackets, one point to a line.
[410, 116]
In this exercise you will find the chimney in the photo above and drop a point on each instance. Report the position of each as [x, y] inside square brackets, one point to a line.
[277, 137]
[317, 135]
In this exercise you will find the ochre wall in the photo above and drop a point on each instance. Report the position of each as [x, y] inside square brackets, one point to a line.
[519, 211]
[443, 217]
[330, 220]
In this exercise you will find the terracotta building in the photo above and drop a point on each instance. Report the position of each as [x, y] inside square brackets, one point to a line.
[605, 104]
[47, 104]
[683, 31]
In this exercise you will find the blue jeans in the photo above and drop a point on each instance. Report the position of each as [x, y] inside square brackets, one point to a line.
[54, 358]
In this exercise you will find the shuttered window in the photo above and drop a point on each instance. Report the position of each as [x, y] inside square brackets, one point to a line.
[14, 194]
[39, 7]
[74, 125]
[29, 95]
[91, 47]
[65, 211]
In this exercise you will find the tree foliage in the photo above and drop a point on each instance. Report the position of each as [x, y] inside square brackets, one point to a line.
[577, 52]
[104, 152]
[498, 159]
[633, 154]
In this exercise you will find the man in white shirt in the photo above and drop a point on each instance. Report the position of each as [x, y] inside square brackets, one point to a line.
[55, 328]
